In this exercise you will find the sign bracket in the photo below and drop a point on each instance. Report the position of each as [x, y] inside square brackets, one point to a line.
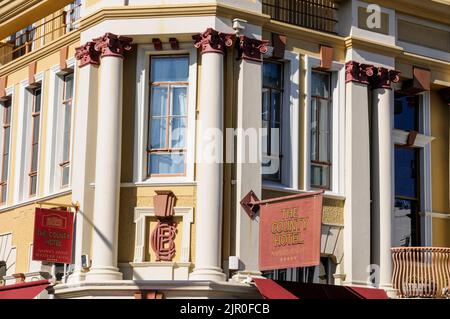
[251, 203]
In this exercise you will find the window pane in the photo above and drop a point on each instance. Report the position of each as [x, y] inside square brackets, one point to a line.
[178, 132]
[34, 157]
[324, 131]
[6, 139]
[170, 69]
[406, 112]
[272, 75]
[5, 167]
[37, 100]
[158, 129]
[320, 176]
[271, 169]
[4, 190]
[166, 163]
[65, 175]
[66, 138]
[406, 222]
[320, 85]
[314, 129]
[69, 86]
[276, 108]
[33, 183]
[179, 101]
[35, 130]
[265, 104]
[159, 101]
[406, 172]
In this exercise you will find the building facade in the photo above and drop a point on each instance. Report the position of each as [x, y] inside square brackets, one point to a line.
[116, 107]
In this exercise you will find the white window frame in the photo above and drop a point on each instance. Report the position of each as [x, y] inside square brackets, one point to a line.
[290, 130]
[141, 115]
[22, 156]
[9, 92]
[338, 123]
[54, 135]
[426, 200]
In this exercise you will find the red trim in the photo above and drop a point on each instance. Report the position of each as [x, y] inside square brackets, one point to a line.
[269, 289]
[27, 290]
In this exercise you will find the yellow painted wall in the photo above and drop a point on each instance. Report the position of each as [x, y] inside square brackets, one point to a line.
[20, 222]
[440, 124]
[131, 197]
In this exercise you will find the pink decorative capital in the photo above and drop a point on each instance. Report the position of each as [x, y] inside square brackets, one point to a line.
[86, 54]
[383, 78]
[358, 72]
[252, 49]
[112, 45]
[212, 41]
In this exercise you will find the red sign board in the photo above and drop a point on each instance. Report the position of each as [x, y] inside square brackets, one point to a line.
[53, 235]
[290, 231]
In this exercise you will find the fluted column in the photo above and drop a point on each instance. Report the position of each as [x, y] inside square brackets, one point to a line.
[83, 169]
[108, 160]
[382, 159]
[208, 265]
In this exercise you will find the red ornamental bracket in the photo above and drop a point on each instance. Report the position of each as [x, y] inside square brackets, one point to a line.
[251, 204]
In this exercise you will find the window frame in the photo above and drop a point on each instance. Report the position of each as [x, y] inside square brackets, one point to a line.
[141, 131]
[315, 162]
[282, 92]
[4, 180]
[170, 85]
[34, 114]
[66, 104]
[337, 71]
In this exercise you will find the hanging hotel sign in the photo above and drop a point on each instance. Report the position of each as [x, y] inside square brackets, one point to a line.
[289, 230]
[53, 235]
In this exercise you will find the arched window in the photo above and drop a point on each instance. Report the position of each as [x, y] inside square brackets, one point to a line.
[2, 269]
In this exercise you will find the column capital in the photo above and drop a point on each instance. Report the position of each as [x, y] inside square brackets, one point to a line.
[86, 54]
[252, 49]
[383, 78]
[358, 72]
[112, 45]
[212, 41]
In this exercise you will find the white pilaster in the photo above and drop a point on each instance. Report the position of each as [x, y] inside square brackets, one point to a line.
[83, 168]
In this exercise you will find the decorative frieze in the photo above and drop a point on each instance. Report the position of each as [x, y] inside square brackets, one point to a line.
[112, 45]
[212, 41]
[252, 49]
[87, 54]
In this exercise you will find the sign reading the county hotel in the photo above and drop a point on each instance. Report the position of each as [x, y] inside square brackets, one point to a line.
[53, 231]
[290, 233]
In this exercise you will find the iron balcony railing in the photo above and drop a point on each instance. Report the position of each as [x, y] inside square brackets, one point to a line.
[313, 14]
[38, 35]
[421, 272]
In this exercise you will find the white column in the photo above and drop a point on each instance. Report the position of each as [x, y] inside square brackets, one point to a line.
[382, 196]
[108, 161]
[208, 263]
[357, 177]
[83, 167]
[248, 159]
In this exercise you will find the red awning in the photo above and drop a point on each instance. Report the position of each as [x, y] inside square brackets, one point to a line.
[271, 289]
[26, 290]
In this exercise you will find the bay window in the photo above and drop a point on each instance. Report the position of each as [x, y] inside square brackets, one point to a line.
[169, 87]
[321, 128]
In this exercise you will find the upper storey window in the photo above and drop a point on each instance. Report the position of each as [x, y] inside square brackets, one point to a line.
[166, 147]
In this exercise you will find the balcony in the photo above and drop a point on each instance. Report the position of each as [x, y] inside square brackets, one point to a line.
[39, 34]
[318, 15]
[421, 272]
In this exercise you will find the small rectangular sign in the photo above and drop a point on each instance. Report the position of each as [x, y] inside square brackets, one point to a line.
[53, 236]
[290, 232]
